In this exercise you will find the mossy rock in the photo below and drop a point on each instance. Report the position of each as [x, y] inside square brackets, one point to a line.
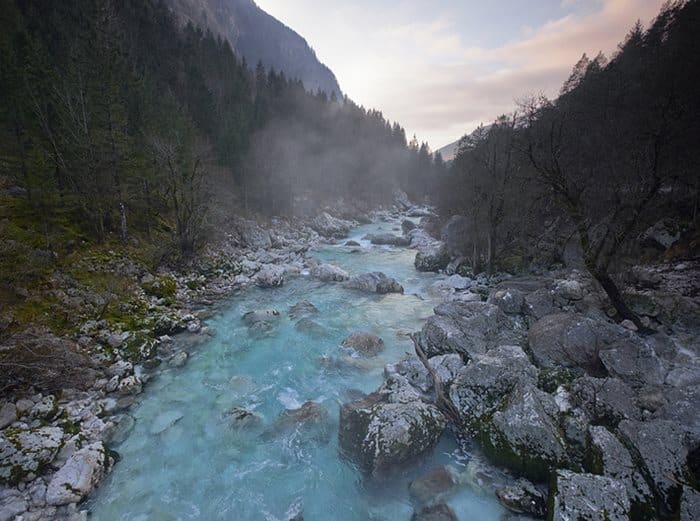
[550, 378]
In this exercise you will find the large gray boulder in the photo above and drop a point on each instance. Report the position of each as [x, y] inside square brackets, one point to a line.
[467, 328]
[479, 388]
[389, 427]
[270, 276]
[374, 282]
[253, 236]
[447, 367]
[329, 273]
[660, 447]
[605, 400]
[690, 504]
[24, 452]
[511, 300]
[387, 239]
[524, 434]
[587, 497]
[456, 234]
[78, 476]
[572, 340]
[331, 227]
[432, 257]
[609, 457]
[634, 362]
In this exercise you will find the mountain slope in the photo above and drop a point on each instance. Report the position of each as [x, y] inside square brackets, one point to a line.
[258, 36]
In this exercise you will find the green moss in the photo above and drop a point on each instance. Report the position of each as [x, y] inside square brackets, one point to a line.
[549, 378]
[512, 264]
[163, 287]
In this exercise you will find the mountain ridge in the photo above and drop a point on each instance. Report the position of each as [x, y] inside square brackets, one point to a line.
[258, 36]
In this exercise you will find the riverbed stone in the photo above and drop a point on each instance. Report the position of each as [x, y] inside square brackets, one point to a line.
[523, 497]
[270, 276]
[609, 457]
[572, 340]
[364, 343]
[331, 227]
[437, 512]
[388, 427]
[605, 400]
[78, 476]
[511, 301]
[432, 257]
[635, 362]
[24, 452]
[435, 485]
[587, 497]
[524, 434]
[387, 239]
[467, 328]
[660, 447]
[130, 385]
[8, 414]
[374, 282]
[447, 367]
[480, 387]
[329, 273]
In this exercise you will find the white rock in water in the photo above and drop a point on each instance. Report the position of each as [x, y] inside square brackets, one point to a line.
[165, 420]
[78, 476]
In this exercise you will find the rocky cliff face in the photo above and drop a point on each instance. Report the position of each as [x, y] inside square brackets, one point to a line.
[257, 36]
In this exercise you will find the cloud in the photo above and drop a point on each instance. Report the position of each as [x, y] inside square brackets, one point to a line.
[424, 70]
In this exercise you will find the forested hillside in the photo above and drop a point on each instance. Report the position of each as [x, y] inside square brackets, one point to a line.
[607, 172]
[118, 125]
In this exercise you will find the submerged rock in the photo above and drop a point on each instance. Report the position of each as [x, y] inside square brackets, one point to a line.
[364, 343]
[302, 308]
[589, 497]
[310, 327]
[438, 512]
[165, 420]
[523, 497]
[436, 485]
[242, 418]
[375, 282]
[311, 417]
[261, 315]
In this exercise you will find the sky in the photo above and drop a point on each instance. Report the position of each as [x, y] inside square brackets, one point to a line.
[442, 67]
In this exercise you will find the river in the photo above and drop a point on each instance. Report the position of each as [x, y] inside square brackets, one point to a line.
[184, 459]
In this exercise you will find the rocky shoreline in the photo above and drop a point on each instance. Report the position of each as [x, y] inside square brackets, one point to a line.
[533, 369]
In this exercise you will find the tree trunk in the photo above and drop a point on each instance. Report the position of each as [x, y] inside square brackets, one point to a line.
[616, 299]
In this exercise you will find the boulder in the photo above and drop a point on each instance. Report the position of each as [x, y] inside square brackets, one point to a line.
[387, 239]
[330, 227]
[8, 414]
[447, 367]
[242, 418]
[588, 497]
[374, 282]
[660, 446]
[510, 301]
[329, 273]
[310, 327]
[609, 457]
[130, 385]
[270, 276]
[605, 400]
[11, 506]
[432, 257]
[311, 419]
[634, 362]
[434, 486]
[479, 389]
[467, 328]
[253, 236]
[78, 476]
[690, 504]
[456, 234]
[522, 497]
[388, 427]
[568, 289]
[524, 434]
[364, 343]
[407, 225]
[27, 451]
[572, 340]
[539, 304]
[302, 308]
[437, 512]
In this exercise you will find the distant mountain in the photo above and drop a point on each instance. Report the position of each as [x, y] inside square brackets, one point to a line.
[258, 36]
[449, 152]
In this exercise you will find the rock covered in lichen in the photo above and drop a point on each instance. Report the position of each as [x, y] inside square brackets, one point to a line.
[24, 452]
[587, 497]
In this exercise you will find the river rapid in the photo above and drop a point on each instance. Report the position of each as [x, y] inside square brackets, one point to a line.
[186, 458]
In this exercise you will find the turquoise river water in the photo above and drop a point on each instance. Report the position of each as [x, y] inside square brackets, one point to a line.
[202, 468]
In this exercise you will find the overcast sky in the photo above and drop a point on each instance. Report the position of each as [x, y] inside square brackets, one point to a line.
[441, 67]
